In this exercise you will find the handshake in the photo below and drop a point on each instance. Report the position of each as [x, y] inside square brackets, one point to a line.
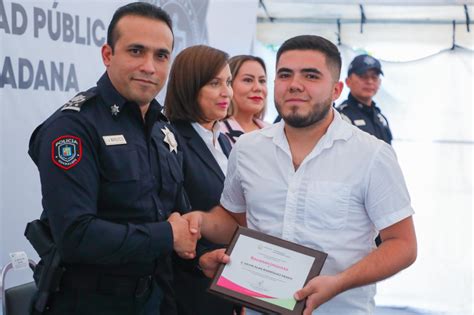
[186, 233]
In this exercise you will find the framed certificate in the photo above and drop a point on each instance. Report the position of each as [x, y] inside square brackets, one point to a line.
[265, 271]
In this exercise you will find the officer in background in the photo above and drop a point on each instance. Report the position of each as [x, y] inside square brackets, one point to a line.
[111, 176]
[363, 79]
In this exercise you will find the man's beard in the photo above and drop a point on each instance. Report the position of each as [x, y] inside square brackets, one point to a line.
[318, 112]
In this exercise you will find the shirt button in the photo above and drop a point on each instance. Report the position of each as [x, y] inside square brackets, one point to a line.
[291, 188]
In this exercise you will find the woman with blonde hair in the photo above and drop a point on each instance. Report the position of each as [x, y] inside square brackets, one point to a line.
[248, 105]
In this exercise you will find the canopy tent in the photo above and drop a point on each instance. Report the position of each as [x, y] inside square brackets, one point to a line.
[376, 26]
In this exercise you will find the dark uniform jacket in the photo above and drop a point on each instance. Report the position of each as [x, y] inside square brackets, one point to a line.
[367, 118]
[203, 182]
[109, 181]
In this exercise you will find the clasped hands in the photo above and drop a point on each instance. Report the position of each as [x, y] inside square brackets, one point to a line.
[186, 233]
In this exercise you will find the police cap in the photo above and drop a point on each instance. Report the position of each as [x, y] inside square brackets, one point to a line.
[362, 63]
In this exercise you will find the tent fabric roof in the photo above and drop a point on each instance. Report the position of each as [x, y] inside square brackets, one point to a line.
[280, 19]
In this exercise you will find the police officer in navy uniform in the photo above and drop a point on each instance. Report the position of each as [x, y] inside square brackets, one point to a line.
[111, 178]
[363, 79]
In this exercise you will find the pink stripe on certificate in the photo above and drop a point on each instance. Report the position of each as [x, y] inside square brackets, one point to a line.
[226, 283]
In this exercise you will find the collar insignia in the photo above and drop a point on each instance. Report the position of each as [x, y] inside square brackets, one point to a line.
[115, 110]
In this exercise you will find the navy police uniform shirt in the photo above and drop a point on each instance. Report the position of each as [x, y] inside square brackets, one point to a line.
[109, 181]
[367, 118]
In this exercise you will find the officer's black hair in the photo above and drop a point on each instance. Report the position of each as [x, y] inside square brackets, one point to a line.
[141, 9]
[317, 43]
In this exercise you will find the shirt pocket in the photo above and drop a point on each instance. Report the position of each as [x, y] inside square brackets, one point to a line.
[327, 205]
[120, 164]
[120, 187]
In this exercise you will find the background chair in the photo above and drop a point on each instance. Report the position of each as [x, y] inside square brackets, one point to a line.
[16, 300]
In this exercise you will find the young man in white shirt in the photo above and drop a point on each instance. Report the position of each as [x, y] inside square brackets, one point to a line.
[320, 182]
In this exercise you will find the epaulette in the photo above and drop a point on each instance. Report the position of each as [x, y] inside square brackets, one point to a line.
[76, 102]
[347, 119]
[342, 106]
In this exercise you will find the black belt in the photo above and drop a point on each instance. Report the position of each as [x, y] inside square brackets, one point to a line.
[107, 284]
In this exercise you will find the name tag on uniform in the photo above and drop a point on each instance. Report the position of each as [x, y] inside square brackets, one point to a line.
[359, 122]
[114, 140]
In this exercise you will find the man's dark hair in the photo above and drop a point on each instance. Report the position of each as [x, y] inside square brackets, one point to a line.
[141, 9]
[317, 43]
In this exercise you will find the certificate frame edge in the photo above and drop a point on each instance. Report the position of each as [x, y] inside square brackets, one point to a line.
[259, 305]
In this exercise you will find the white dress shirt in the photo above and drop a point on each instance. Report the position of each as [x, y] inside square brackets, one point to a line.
[348, 188]
[210, 138]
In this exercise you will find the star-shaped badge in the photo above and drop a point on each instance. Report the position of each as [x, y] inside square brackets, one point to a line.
[170, 139]
[114, 109]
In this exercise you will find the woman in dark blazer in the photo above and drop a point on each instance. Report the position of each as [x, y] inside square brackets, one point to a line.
[198, 96]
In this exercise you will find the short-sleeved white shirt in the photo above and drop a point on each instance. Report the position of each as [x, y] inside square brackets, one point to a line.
[347, 189]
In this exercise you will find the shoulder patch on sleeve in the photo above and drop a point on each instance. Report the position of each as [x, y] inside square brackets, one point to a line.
[66, 151]
[76, 102]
